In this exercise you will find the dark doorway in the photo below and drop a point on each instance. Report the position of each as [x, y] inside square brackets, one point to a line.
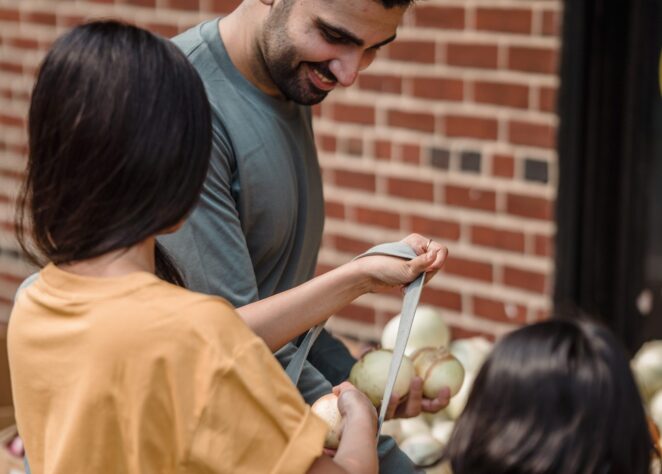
[609, 206]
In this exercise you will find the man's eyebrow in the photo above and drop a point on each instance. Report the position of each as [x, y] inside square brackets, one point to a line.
[348, 35]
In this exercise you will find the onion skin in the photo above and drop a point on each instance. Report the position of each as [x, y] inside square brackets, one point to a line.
[326, 407]
[369, 375]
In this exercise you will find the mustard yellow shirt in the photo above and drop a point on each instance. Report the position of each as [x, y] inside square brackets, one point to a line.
[134, 375]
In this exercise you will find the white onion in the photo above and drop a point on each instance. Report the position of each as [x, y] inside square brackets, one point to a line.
[326, 407]
[471, 352]
[647, 368]
[413, 426]
[438, 369]
[427, 330]
[392, 428]
[422, 449]
[458, 402]
[369, 375]
[442, 430]
[655, 409]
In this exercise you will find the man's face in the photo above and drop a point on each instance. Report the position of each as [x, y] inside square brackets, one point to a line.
[311, 46]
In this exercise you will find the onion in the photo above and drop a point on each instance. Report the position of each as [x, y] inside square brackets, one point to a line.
[326, 407]
[471, 352]
[458, 402]
[369, 375]
[655, 408]
[413, 426]
[438, 369]
[647, 368]
[427, 330]
[442, 430]
[422, 449]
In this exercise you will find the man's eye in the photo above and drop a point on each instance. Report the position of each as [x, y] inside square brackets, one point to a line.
[333, 38]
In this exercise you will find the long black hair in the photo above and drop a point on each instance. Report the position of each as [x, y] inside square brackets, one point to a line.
[556, 397]
[119, 143]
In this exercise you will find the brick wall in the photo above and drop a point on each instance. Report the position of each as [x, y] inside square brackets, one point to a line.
[450, 133]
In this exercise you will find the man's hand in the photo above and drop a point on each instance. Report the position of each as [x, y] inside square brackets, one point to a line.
[414, 403]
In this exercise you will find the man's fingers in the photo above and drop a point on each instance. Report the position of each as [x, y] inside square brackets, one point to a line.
[436, 404]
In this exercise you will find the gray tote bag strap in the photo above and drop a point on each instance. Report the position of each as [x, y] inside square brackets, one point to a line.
[409, 304]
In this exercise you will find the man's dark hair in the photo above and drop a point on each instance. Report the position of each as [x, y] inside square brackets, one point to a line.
[396, 3]
[119, 143]
[556, 397]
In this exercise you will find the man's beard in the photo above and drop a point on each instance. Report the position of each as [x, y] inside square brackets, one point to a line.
[293, 81]
[282, 62]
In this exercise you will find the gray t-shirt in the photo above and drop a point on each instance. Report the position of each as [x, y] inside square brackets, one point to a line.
[258, 226]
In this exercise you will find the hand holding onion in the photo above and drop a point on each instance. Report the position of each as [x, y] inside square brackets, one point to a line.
[436, 372]
[342, 408]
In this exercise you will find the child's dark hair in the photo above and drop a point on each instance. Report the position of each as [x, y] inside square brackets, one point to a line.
[119, 143]
[556, 397]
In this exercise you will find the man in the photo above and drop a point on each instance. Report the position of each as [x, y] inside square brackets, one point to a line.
[257, 229]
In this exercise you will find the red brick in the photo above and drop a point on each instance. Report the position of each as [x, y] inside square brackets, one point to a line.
[334, 209]
[359, 114]
[24, 43]
[142, 3]
[321, 269]
[447, 18]
[532, 134]
[471, 197]
[413, 120]
[326, 142]
[499, 93]
[547, 99]
[503, 166]
[497, 238]
[446, 230]
[524, 279]
[390, 220]
[382, 149]
[468, 268]
[356, 312]
[350, 245]
[410, 153]
[472, 127]
[496, 310]
[164, 29]
[352, 146]
[472, 55]
[11, 120]
[355, 179]
[380, 83]
[410, 189]
[507, 20]
[542, 314]
[191, 5]
[412, 51]
[442, 298]
[9, 14]
[11, 67]
[69, 21]
[543, 246]
[463, 333]
[42, 18]
[529, 206]
[224, 6]
[551, 23]
[317, 110]
[528, 59]
[438, 88]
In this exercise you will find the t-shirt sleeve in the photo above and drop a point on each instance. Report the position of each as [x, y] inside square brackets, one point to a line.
[210, 248]
[254, 420]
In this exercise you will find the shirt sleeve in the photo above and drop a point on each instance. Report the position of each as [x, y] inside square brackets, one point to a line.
[211, 248]
[254, 420]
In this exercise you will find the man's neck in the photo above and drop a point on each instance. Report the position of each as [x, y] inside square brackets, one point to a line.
[240, 31]
[138, 258]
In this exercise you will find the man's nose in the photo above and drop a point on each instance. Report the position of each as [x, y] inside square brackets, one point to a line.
[346, 67]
